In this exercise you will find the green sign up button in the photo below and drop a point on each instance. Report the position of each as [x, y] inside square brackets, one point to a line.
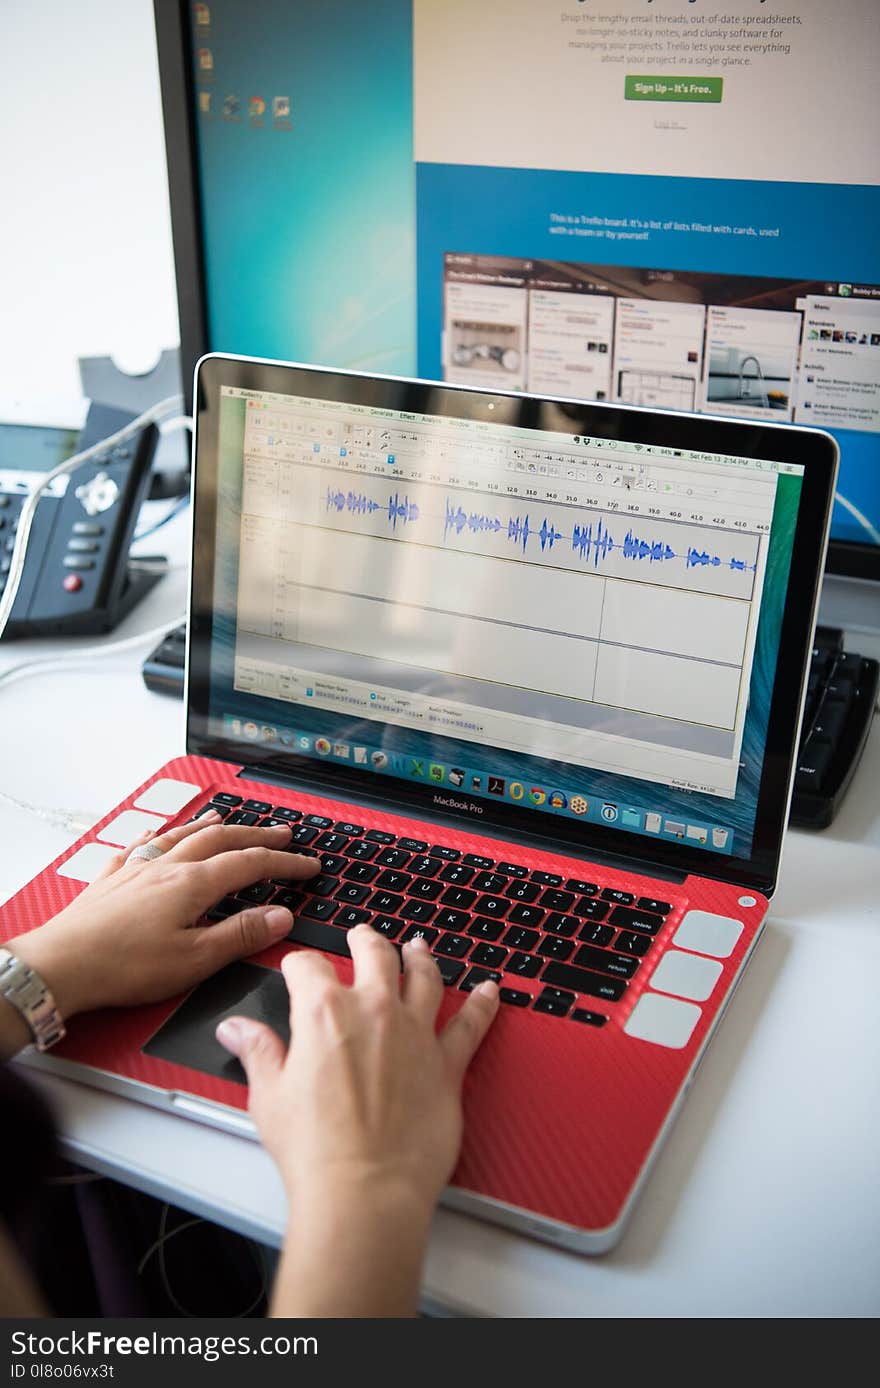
[673, 88]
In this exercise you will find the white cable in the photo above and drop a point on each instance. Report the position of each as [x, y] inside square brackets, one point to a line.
[88, 653]
[70, 821]
[857, 515]
[154, 415]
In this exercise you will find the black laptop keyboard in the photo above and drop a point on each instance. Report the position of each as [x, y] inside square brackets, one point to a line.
[579, 942]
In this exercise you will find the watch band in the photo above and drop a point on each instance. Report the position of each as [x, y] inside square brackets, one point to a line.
[25, 989]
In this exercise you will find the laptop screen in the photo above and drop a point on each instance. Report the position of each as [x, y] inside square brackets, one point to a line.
[579, 626]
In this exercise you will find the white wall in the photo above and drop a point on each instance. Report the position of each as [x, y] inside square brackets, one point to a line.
[85, 237]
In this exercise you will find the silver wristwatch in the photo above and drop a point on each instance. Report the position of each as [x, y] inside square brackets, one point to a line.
[26, 991]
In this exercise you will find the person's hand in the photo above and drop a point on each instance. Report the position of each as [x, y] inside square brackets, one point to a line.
[130, 936]
[363, 1117]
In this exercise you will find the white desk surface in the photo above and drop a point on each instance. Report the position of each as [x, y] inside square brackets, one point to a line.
[764, 1200]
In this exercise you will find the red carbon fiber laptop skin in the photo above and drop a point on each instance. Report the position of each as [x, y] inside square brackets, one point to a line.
[561, 1119]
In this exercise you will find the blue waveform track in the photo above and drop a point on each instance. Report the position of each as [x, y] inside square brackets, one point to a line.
[398, 508]
[518, 529]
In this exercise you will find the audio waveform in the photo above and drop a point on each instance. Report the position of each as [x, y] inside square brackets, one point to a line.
[590, 542]
[398, 508]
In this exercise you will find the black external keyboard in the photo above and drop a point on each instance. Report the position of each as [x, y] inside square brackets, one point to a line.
[163, 668]
[841, 697]
[578, 942]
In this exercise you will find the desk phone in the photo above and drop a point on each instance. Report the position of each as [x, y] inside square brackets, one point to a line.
[77, 576]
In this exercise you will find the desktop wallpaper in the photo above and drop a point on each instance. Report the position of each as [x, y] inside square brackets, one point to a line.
[346, 150]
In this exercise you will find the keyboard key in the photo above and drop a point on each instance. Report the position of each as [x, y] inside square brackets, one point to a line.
[491, 882]
[242, 817]
[514, 997]
[332, 842]
[476, 860]
[457, 875]
[591, 908]
[418, 932]
[360, 872]
[257, 806]
[388, 902]
[424, 866]
[355, 893]
[647, 903]
[227, 907]
[291, 899]
[489, 956]
[359, 848]
[526, 965]
[224, 798]
[456, 946]
[323, 885]
[526, 915]
[483, 929]
[554, 900]
[492, 906]
[451, 970]
[554, 1001]
[594, 985]
[418, 911]
[813, 763]
[412, 845]
[318, 821]
[592, 1019]
[387, 926]
[221, 810]
[351, 915]
[424, 889]
[270, 822]
[393, 881]
[553, 947]
[379, 836]
[596, 934]
[352, 830]
[453, 920]
[282, 812]
[604, 962]
[319, 910]
[458, 897]
[513, 869]
[633, 943]
[256, 892]
[393, 858]
[615, 894]
[438, 850]
[519, 938]
[547, 879]
[302, 834]
[319, 935]
[523, 891]
[561, 924]
[635, 920]
[478, 976]
[333, 863]
[574, 884]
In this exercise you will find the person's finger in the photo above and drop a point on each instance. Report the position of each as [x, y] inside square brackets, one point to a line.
[310, 979]
[464, 1033]
[422, 984]
[246, 933]
[223, 838]
[227, 873]
[376, 962]
[258, 1047]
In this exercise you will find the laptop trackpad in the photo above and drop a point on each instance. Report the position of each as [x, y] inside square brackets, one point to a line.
[239, 990]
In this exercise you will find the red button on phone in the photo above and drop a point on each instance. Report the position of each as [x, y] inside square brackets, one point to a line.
[72, 583]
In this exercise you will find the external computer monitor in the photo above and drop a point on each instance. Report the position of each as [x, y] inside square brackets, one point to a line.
[633, 202]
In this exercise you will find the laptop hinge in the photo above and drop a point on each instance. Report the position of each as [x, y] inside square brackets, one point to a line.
[485, 828]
